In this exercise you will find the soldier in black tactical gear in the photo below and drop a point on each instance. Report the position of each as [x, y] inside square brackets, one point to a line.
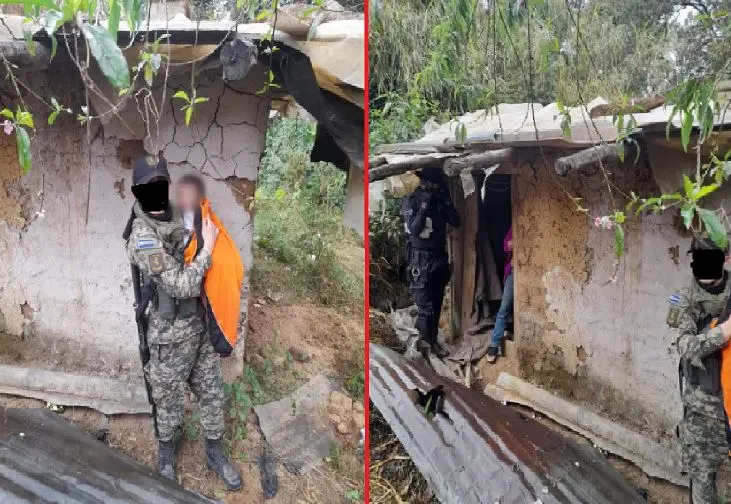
[427, 211]
[693, 311]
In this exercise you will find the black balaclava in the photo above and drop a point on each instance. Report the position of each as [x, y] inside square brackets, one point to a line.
[151, 184]
[708, 260]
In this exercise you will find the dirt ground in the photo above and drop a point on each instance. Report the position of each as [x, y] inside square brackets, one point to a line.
[329, 341]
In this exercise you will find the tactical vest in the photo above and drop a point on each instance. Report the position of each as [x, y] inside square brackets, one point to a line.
[170, 308]
[166, 305]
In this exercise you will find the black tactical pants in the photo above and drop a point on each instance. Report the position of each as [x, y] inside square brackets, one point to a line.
[428, 274]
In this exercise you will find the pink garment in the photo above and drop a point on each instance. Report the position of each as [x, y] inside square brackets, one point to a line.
[508, 254]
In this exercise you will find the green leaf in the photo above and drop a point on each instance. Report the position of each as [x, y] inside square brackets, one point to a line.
[23, 142]
[618, 240]
[24, 118]
[182, 95]
[705, 191]
[309, 11]
[149, 75]
[620, 150]
[7, 113]
[686, 129]
[108, 54]
[262, 15]
[52, 117]
[28, 36]
[188, 115]
[688, 186]
[714, 227]
[44, 4]
[201, 99]
[135, 11]
[687, 212]
[115, 11]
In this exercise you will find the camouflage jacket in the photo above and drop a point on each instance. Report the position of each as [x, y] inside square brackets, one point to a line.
[157, 250]
[690, 315]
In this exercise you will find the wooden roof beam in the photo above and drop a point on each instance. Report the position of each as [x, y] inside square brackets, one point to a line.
[587, 157]
[18, 53]
[452, 166]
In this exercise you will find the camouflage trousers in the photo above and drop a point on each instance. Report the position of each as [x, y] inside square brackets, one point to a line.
[703, 441]
[171, 366]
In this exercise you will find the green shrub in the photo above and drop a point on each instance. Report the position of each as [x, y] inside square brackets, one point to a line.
[298, 228]
[387, 243]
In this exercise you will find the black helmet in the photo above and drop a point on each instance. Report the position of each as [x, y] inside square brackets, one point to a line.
[150, 183]
[150, 168]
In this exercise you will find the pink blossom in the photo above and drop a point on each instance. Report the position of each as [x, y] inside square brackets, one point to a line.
[609, 224]
[597, 222]
[8, 127]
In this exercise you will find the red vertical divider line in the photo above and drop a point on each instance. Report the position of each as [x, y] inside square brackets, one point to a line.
[366, 269]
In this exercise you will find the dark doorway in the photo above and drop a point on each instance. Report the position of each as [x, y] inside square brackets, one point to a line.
[494, 221]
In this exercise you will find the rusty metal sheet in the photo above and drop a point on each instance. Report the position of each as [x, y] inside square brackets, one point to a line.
[492, 453]
[44, 458]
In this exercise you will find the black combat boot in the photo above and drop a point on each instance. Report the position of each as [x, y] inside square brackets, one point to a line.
[423, 347]
[166, 459]
[217, 461]
[438, 350]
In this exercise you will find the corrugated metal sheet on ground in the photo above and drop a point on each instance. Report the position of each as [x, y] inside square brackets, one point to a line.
[45, 458]
[492, 453]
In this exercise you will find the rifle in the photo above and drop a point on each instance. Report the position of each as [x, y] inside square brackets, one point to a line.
[141, 302]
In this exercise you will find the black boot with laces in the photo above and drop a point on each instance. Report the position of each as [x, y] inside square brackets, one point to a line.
[218, 462]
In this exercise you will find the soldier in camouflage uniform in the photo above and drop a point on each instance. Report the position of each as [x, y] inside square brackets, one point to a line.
[180, 350]
[702, 430]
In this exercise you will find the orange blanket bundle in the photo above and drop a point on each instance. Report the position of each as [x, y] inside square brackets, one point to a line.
[726, 379]
[222, 285]
[725, 375]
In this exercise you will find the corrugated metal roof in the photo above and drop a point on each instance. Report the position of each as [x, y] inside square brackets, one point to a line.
[491, 453]
[44, 458]
[526, 124]
[335, 47]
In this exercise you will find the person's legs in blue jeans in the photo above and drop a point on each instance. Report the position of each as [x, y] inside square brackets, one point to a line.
[506, 307]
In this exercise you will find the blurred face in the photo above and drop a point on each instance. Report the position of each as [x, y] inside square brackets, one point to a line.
[188, 197]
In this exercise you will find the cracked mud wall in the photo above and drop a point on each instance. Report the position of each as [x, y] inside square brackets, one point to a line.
[66, 296]
[596, 341]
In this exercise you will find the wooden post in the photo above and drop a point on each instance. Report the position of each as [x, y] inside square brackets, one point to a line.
[456, 245]
[469, 260]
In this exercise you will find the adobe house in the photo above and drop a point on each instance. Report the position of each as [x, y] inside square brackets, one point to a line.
[588, 327]
[65, 295]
